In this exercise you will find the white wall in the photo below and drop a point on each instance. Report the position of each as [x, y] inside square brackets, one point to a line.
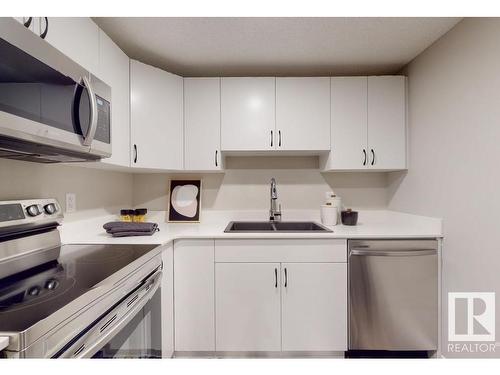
[95, 189]
[454, 122]
[245, 186]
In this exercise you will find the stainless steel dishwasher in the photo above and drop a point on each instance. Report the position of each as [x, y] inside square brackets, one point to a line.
[393, 295]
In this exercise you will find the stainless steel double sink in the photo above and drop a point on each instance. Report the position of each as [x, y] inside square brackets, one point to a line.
[274, 226]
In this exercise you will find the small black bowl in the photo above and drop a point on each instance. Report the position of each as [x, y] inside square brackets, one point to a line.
[349, 217]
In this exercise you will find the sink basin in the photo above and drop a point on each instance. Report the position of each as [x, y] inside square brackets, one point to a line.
[300, 226]
[249, 226]
[267, 226]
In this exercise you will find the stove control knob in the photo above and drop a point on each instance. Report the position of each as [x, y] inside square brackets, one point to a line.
[33, 210]
[51, 284]
[34, 291]
[50, 208]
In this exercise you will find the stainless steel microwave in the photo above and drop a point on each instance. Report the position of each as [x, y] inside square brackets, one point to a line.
[51, 109]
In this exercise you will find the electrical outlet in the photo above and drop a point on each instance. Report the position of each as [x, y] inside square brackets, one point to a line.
[70, 202]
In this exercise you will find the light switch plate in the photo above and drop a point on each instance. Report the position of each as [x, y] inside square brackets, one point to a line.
[70, 202]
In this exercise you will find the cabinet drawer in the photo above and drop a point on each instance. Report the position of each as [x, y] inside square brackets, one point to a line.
[281, 250]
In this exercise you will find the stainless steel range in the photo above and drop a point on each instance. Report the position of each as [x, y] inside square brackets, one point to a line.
[73, 300]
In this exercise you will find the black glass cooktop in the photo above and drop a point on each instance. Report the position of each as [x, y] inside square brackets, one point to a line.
[35, 294]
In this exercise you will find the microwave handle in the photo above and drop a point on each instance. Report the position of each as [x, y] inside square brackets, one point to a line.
[89, 137]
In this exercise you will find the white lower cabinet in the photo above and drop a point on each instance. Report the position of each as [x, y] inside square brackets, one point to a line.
[314, 306]
[260, 295]
[194, 295]
[281, 295]
[247, 307]
[167, 303]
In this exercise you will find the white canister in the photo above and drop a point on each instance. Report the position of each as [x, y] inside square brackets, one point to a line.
[329, 215]
[337, 203]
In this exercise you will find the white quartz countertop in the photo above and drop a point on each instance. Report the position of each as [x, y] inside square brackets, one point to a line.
[371, 224]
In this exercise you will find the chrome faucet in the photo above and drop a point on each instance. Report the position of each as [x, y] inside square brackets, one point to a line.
[274, 214]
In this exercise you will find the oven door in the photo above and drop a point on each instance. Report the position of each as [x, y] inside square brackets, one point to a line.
[48, 99]
[129, 329]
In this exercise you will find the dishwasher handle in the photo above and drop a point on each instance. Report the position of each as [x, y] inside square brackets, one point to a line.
[392, 253]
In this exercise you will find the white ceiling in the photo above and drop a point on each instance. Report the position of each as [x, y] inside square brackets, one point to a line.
[275, 46]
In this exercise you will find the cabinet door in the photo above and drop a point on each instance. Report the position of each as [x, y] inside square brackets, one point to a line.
[349, 123]
[202, 124]
[314, 306]
[303, 113]
[114, 70]
[77, 38]
[167, 302]
[194, 295]
[248, 114]
[156, 107]
[247, 307]
[387, 122]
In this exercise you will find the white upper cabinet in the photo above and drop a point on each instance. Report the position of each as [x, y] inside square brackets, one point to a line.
[303, 113]
[387, 122]
[202, 124]
[76, 37]
[248, 113]
[368, 123]
[156, 123]
[349, 123]
[114, 70]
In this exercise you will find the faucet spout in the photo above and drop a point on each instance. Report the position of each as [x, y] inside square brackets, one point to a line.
[274, 213]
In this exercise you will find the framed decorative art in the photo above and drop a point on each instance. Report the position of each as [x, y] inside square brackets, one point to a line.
[184, 201]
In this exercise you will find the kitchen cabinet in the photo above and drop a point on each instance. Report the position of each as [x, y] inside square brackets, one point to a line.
[167, 303]
[194, 295]
[303, 113]
[77, 38]
[114, 70]
[368, 124]
[248, 113]
[387, 122]
[156, 121]
[314, 306]
[303, 281]
[247, 307]
[349, 136]
[202, 124]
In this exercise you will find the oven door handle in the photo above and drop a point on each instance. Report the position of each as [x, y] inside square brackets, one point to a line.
[89, 137]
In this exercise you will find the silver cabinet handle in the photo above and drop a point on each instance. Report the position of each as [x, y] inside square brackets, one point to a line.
[276, 278]
[393, 253]
[364, 155]
[89, 137]
[286, 278]
[373, 157]
[279, 135]
[135, 153]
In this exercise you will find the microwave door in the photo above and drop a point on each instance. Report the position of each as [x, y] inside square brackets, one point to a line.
[40, 104]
